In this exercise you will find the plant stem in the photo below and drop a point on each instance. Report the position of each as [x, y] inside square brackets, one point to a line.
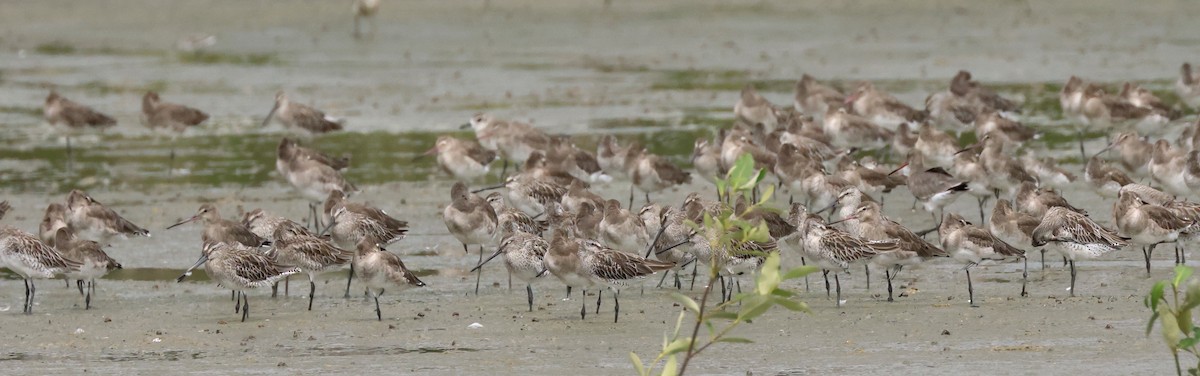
[696, 328]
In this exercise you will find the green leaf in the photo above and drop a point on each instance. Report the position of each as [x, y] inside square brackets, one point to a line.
[678, 325]
[677, 346]
[637, 364]
[671, 368]
[783, 293]
[1150, 324]
[790, 304]
[1191, 299]
[768, 276]
[799, 272]
[766, 195]
[687, 302]
[1187, 342]
[1181, 274]
[734, 340]
[723, 315]
[753, 307]
[1156, 295]
[1170, 328]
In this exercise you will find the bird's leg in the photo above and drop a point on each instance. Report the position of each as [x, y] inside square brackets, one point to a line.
[312, 290]
[1025, 276]
[805, 263]
[663, 279]
[722, 289]
[647, 197]
[970, 288]
[1043, 259]
[825, 273]
[245, 307]
[568, 293]
[68, 281]
[25, 308]
[237, 304]
[616, 305]
[1147, 251]
[838, 282]
[286, 287]
[983, 200]
[378, 312]
[583, 306]
[1082, 154]
[867, 270]
[1072, 262]
[478, 273]
[695, 266]
[87, 300]
[599, 293]
[349, 278]
[32, 295]
[678, 283]
[70, 157]
[504, 170]
[888, 274]
[630, 197]
[79, 283]
[529, 293]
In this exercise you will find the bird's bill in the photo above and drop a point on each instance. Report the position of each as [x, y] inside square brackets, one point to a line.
[494, 254]
[465, 126]
[830, 207]
[842, 220]
[966, 149]
[488, 188]
[902, 166]
[851, 98]
[193, 218]
[188, 273]
[432, 151]
[270, 114]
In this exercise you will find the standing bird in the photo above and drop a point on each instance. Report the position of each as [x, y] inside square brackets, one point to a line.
[221, 230]
[380, 268]
[523, 256]
[1188, 87]
[971, 244]
[471, 220]
[92, 220]
[835, 250]
[239, 267]
[315, 175]
[295, 246]
[176, 117]
[54, 219]
[653, 173]
[622, 229]
[365, 10]
[301, 116]
[935, 188]
[75, 116]
[462, 159]
[352, 222]
[912, 250]
[27, 256]
[1075, 236]
[515, 141]
[94, 262]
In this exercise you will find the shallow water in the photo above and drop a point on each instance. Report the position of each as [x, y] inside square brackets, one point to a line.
[663, 72]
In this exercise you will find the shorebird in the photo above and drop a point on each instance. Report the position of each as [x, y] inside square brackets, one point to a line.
[937, 148]
[1037, 201]
[980, 96]
[564, 155]
[1188, 87]
[934, 188]
[614, 159]
[587, 221]
[239, 267]
[176, 117]
[753, 109]
[55, 218]
[24, 254]
[1016, 229]
[364, 10]
[221, 230]
[462, 159]
[1134, 152]
[870, 180]
[968, 168]
[1103, 112]
[614, 269]
[1045, 171]
[471, 220]
[1104, 178]
[530, 195]
[668, 224]
[94, 262]
[5, 207]
[971, 245]
[903, 140]
[848, 130]
[706, 158]
[1008, 130]
[264, 223]
[1147, 225]
[380, 269]
[880, 107]
[159, 114]
[867, 222]
[1168, 166]
[59, 109]
[352, 222]
[513, 140]
[1140, 97]
[289, 149]
[92, 220]
[815, 98]
[314, 175]
[622, 229]
[653, 173]
[537, 168]
[523, 256]
[577, 194]
[1004, 173]
[1075, 236]
[835, 250]
[506, 214]
[301, 116]
[295, 246]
